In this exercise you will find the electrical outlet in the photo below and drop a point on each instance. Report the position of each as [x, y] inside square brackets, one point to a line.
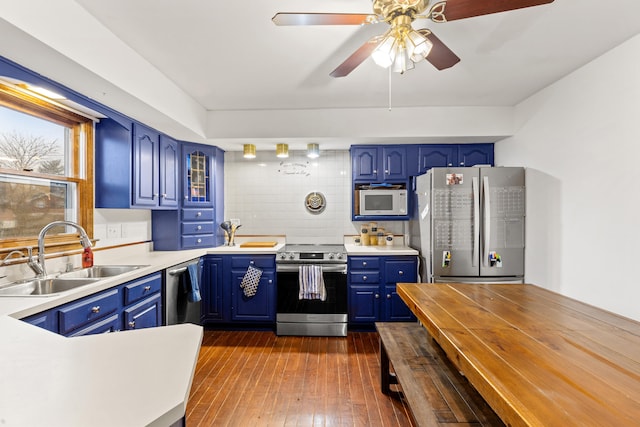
[114, 231]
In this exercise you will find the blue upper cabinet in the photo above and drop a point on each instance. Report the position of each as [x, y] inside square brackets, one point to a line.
[135, 167]
[146, 167]
[448, 155]
[475, 154]
[198, 175]
[379, 163]
[169, 172]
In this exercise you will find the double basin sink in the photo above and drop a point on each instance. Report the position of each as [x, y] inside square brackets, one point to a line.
[65, 281]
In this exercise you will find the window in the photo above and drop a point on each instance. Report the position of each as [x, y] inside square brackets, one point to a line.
[46, 170]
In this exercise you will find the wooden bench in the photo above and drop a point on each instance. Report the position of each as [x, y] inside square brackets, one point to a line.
[434, 390]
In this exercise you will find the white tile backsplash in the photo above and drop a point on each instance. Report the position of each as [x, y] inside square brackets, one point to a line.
[268, 195]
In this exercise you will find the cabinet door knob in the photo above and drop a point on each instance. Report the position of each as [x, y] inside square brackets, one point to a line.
[199, 241]
[364, 264]
[163, 195]
[199, 227]
[375, 171]
[377, 296]
[147, 288]
[132, 324]
[270, 281]
[186, 197]
[95, 309]
[364, 278]
[198, 213]
[400, 272]
[154, 195]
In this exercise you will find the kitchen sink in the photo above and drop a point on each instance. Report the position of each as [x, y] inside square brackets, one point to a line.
[43, 287]
[101, 271]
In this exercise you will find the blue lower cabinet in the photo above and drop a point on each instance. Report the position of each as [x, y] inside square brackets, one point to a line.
[81, 313]
[213, 299]
[257, 308]
[133, 305]
[372, 288]
[146, 314]
[103, 326]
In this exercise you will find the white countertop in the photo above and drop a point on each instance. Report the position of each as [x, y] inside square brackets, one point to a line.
[379, 250]
[139, 377]
[133, 378]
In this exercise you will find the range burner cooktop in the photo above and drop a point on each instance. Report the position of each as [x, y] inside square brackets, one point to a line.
[321, 254]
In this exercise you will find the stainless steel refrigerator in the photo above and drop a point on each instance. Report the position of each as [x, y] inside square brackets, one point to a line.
[469, 224]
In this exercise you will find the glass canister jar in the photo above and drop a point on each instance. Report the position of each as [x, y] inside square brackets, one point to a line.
[364, 235]
[373, 234]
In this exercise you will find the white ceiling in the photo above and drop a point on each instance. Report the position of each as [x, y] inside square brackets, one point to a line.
[229, 57]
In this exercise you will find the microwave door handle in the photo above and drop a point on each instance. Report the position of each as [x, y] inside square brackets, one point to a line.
[476, 221]
[486, 230]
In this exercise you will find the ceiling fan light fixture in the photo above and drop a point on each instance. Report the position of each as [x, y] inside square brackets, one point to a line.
[249, 151]
[384, 53]
[419, 45]
[313, 151]
[282, 151]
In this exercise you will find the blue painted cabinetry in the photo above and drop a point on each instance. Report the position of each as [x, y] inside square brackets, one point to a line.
[427, 156]
[133, 305]
[375, 163]
[196, 223]
[212, 290]
[135, 167]
[224, 299]
[372, 288]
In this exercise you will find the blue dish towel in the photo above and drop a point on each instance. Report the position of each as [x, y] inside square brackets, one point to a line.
[192, 285]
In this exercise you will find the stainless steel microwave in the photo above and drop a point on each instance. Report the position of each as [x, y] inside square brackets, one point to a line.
[383, 202]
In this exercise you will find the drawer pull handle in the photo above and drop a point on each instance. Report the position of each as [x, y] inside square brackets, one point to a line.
[364, 264]
[400, 272]
[147, 288]
[364, 278]
[199, 241]
[377, 296]
[199, 214]
[132, 324]
[95, 309]
[163, 195]
[388, 296]
[199, 227]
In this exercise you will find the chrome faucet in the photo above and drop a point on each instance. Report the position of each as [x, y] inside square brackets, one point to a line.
[84, 241]
[30, 261]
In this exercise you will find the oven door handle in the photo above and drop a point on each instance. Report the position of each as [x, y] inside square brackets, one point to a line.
[294, 268]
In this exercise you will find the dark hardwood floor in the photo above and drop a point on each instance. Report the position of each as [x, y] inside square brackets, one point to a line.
[250, 378]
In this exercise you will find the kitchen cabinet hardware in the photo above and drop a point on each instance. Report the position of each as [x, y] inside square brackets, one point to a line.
[147, 288]
[132, 324]
[388, 296]
[95, 309]
[377, 296]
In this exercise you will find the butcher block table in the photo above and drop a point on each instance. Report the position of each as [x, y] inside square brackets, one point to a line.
[538, 358]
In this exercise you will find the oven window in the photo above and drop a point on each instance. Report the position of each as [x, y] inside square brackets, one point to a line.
[288, 291]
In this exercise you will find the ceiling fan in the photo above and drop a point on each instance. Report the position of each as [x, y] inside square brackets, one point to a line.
[401, 45]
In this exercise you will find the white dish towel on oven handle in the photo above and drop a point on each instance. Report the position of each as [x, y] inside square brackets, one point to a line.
[311, 283]
[250, 281]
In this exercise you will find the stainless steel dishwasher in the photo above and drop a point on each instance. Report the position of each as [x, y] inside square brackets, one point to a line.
[177, 309]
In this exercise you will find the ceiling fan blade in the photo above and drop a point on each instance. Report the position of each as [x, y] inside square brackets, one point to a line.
[450, 10]
[440, 56]
[356, 58]
[287, 18]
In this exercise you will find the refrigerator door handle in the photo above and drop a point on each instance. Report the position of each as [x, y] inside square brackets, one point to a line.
[486, 229]
[476, 220]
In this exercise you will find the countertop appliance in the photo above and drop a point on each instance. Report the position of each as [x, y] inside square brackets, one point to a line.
[381, 202]
[177, 309]
[470, 224]
[311, 317]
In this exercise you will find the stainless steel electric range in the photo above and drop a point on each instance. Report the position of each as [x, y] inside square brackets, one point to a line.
[312, 290]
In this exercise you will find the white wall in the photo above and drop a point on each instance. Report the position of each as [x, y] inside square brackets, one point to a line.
[267, 194]
[580, 140]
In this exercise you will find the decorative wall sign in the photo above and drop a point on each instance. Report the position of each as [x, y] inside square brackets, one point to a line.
[289, 168]
[315, 202]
